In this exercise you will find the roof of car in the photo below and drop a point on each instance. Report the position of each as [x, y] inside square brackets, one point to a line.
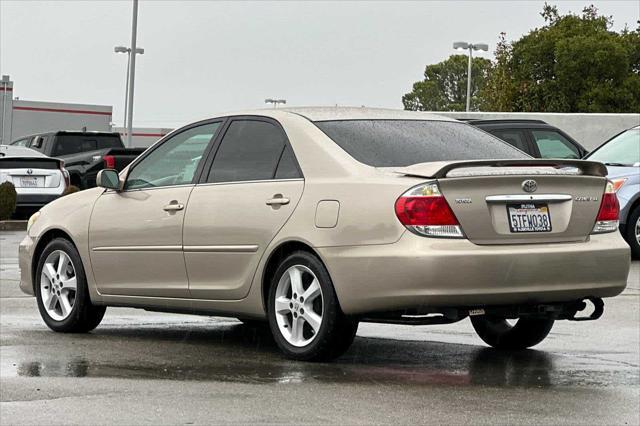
[362, 113]
[342, 113]
[7, 151]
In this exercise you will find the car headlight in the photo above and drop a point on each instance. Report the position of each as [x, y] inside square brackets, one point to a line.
[32, 220]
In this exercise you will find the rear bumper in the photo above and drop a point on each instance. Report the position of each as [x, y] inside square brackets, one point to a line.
[418, 273]
[25, 256]
[34, 200]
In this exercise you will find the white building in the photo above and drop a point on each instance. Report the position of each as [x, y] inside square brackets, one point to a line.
[22, 118]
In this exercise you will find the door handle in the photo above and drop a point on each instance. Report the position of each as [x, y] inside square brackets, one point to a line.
[173, 206]
[277, 200]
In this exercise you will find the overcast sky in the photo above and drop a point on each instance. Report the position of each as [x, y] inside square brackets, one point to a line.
[205, 57]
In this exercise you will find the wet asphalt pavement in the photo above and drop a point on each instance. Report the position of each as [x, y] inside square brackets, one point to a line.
[149, 368]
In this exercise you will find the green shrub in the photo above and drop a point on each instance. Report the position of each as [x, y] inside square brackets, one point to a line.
[70, 190]
[7, 200]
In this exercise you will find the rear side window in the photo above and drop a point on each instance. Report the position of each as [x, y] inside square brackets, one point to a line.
[399, 143]
[73, 144]
[250, 150]
[287, 167]
[512, 137]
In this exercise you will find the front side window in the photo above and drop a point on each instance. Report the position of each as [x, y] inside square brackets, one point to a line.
[624, 149]
[175, 161]
[552, 144]
[400, 143]
[250, 150]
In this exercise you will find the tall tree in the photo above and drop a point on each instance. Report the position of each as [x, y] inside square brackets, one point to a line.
[444, 87]
[575, 63]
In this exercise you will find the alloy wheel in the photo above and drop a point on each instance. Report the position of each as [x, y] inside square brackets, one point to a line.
[299, 305]
[58, 285]
[638, 230]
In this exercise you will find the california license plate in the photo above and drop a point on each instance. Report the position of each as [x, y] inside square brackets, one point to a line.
[28, 182]
[529, 217]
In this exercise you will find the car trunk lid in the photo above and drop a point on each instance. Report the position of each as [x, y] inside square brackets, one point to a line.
[520, 201]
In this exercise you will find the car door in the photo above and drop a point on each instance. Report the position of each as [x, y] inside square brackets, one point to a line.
[135, 235]
[551, 144]
[245, 197]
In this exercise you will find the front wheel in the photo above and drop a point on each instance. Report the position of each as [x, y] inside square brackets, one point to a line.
[304, 315]
[500, 334]
[61, 290]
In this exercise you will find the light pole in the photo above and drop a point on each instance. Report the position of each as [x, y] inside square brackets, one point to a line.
[463, 45]
[132, 71]
[275, 102]
[123, 49]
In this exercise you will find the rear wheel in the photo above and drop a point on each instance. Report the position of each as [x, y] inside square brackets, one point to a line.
[502, 334]
[633, 232]
[61, 290]
[303, 310]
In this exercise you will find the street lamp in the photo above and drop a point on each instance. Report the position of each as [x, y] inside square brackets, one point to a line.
[275, 102]
[123, 49]
[463, 45]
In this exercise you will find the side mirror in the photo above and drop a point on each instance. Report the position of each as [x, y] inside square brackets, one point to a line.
[109, 179]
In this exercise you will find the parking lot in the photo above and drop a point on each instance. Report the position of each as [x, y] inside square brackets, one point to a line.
[151, 368]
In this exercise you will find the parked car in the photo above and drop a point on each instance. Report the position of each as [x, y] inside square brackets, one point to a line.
[317, 219]
[621, 155]
[38, 179]
[535, 137]
[84, 153]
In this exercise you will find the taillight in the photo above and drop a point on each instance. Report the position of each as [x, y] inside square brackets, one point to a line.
[607, 220]
[109, 162]
[65, 174]
[424, 211]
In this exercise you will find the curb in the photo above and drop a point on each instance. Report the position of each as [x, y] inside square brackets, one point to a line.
[13, 225]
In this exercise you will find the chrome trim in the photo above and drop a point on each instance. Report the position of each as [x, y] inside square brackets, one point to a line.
[524, 198]
[250, 248]
[138, 248]
[249, 181]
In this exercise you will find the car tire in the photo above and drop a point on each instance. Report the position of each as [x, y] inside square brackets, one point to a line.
[499, 334]
[632, 231]
[322, 332]
[63, 308]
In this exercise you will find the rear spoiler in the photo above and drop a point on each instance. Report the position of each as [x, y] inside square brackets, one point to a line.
[443, 169]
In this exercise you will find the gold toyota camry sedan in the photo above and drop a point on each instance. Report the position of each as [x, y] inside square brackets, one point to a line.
[316, 219]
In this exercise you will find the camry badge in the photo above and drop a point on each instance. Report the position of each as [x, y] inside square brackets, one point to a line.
[529, 185]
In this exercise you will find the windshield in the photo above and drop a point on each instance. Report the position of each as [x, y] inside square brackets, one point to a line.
[399, 143]
[623, 150]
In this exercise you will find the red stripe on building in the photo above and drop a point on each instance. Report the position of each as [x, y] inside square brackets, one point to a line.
[69, 111]
[8, 89]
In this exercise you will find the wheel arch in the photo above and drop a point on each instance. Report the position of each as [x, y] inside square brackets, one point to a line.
[45, 239]
[281, 251]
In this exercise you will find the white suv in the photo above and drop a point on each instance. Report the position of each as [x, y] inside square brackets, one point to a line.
[38, 179]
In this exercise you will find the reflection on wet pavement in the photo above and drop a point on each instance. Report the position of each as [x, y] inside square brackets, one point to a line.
[238, 353]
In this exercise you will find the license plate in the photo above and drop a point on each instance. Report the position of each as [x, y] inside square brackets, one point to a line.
[28, 182]
[529, 217]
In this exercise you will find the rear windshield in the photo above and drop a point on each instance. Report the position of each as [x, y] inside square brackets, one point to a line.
[72, 144]
[20, 163]
[399, 143]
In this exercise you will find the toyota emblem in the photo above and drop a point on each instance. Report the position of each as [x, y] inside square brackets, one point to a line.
[529, 185]
[29, 171]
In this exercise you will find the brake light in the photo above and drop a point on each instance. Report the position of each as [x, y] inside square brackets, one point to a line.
[424, 211]
[109, 162]
[65, 174]
[607, 220]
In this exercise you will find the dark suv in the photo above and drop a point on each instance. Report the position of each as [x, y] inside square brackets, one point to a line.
[535, 137]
